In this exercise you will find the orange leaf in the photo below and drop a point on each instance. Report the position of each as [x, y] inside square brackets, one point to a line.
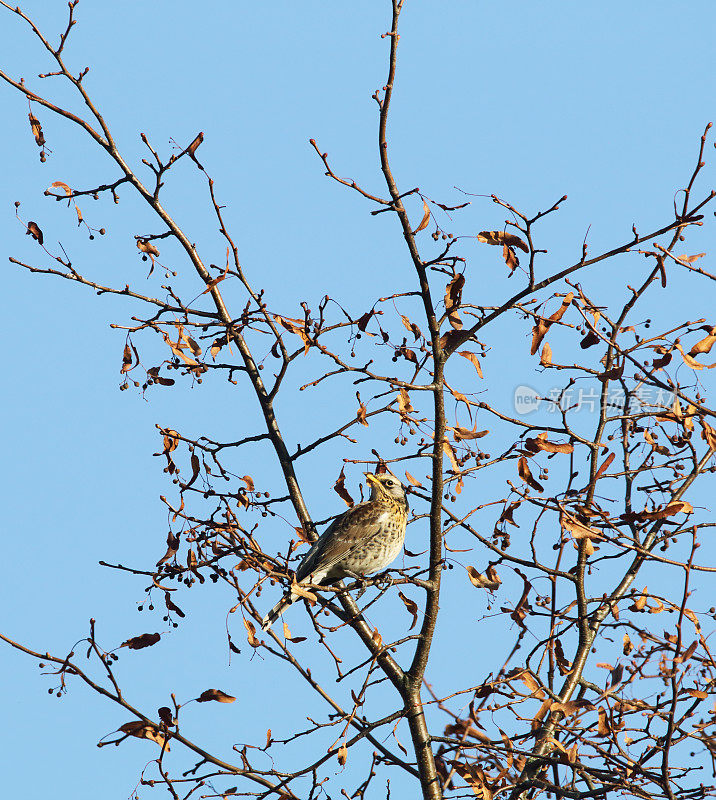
[524, 472]
[472, 358]
[425, 220]
[501, 237]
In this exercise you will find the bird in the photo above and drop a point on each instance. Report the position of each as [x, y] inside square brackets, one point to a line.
[365, 539]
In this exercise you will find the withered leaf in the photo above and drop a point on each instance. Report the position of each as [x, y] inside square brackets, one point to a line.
[425, 220]
[413, 480]
[165, 715]
[691, 259]
[61, 185]
[197, 141]
[627, 645]
[698, 694]
[690, 361]
[363, 321]
[578, 529]
[342, 755]
[510, 258]
[539, 331]
[362, 411]
[215, 694]
[465, 433]
[541, 712]
[640, 601]
[340, 488]
[708, 434]
[704, 345]
[532, 684]
[447, 447]
[473, 359]
[615, 677]
[660, 363]
[144, 730]
[251, 633]
[36, 130]
[502, 238]
[299, 590]
[218, 343]
[524, 472]
[612, 374]
[147, 247]
[662, 270]
[412, 327]
[33, 229]
[172, 547]
[214, 281]
[571, 706]
[589, 340]
[412, 607]
[603, 726]
[507, 514]
[668, 511]
[404, 405]
[604, 466]
[545, 358]
[453, 292]
[126, 358]
[139, 642]
[490, 580]
[542, 443]
[690, 650]
[377, 638]
[171, 605]
[195, 465]
[564, 666]
[294, 639]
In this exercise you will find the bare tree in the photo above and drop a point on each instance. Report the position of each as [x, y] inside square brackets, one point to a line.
[599, 502]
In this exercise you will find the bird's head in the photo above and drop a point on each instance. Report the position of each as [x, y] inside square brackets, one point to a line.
[384, 485]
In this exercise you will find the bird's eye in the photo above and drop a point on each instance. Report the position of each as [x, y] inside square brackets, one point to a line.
[390, 483]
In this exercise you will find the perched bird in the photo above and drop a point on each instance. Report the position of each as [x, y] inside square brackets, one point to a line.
[365, 539]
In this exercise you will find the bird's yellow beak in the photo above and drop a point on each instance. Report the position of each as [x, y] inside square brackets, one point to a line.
[370, 477]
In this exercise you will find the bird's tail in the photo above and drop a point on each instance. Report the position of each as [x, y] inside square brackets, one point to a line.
[277, 611]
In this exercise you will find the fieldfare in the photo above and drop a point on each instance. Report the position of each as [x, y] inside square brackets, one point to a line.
[365, 539]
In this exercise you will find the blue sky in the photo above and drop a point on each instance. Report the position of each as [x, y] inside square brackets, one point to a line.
[603, 102]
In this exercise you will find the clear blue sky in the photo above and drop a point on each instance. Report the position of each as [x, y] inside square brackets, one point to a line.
[604, 102]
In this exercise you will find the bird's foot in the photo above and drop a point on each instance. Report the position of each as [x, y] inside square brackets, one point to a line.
[384, 580]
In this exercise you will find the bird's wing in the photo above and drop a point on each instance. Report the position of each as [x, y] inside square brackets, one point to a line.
[342, 536]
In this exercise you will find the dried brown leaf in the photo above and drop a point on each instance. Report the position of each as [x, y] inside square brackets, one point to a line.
[704, 345]
[539, 331]
[413, 480]
[36, 130]
[197, 141]
[144, 730]
[340, 488]
[215, 694]
[473, 359]
[524, 472]
[502, 238]
[460, 433]
[425, 220]
[542, 443]
[33, 229]
[490, 580]
[140, 642]
[251, 633]
[412, 607]
[545, 358]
